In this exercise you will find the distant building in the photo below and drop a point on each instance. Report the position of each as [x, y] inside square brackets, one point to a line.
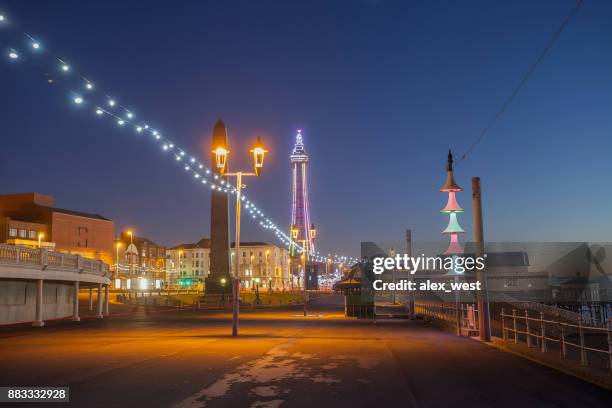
[189, 265]
[25, 217]
[264, 262]
[140, 258]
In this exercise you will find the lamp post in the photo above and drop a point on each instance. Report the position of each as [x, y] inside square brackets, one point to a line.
[40, 237]
[180, 264]
[257, 300]
[223, 292]
[117, 246]
[221, 153]
[295, 234]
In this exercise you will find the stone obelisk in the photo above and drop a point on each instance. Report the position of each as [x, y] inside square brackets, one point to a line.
[219, 282]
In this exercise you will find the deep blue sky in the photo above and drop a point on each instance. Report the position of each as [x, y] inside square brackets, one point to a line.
[382, 89]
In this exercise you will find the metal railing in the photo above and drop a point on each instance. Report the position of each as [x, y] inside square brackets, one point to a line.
[543, 331]
[541, 307]
[43, 259]
[461, 315]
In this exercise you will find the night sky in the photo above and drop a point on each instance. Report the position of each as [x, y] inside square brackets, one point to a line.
[382, 89]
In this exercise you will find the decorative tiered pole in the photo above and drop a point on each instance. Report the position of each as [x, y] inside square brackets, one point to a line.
[452, 209]
[453, 229]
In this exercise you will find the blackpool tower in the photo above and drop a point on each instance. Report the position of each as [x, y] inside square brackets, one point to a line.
[302, 229]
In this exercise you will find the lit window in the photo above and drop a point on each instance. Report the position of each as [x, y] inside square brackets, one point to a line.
[22, 233]
[32, 234]
[13, 232]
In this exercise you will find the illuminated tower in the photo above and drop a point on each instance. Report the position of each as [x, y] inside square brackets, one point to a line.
[302, 231]
[452, 209]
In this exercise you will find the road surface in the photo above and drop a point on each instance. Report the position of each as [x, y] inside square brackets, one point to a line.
[188, 359]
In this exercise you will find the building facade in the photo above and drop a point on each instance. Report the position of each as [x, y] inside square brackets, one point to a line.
[30, 219]
[264, 265]
[140, 259]
[188, 265]
[261, 264]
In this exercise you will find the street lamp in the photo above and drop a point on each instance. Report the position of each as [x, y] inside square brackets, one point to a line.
[130, 252]
[221, 158]
[257, 300]
[180, 264]
[223, 280]
[305, 242]
[303, 257]
[40, 237]
[117, 246]
[220, 153]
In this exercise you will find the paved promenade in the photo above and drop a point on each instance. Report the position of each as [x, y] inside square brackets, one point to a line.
[188, 359]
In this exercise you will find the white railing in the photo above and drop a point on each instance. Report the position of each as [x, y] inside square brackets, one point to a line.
[43, 259]
[460, 315]
[548, 332]
[541, 307]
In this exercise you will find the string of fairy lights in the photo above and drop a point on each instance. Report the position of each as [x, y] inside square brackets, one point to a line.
[84, 93]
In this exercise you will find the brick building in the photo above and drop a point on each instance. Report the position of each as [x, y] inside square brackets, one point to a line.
[25, 217]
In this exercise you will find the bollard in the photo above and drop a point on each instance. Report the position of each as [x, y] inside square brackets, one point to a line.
[514, 325]
[543, 330]
[528, 331]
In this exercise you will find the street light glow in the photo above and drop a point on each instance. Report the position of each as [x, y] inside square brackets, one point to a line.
[78, 100]
[221, 158]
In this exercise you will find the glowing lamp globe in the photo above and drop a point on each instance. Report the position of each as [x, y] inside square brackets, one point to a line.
[313, 232]
[259, 153]
[221, 158]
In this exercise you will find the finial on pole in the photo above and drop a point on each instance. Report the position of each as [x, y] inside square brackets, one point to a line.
[450, 184]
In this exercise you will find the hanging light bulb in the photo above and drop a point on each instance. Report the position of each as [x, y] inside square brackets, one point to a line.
[65, 67]
[2, 18]
[139, 129]
[89, 85]
[121, 122]
[78, 100]
[130, 115]
[111, 102]
[99, 111]
[35, 45]
[13, 54]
